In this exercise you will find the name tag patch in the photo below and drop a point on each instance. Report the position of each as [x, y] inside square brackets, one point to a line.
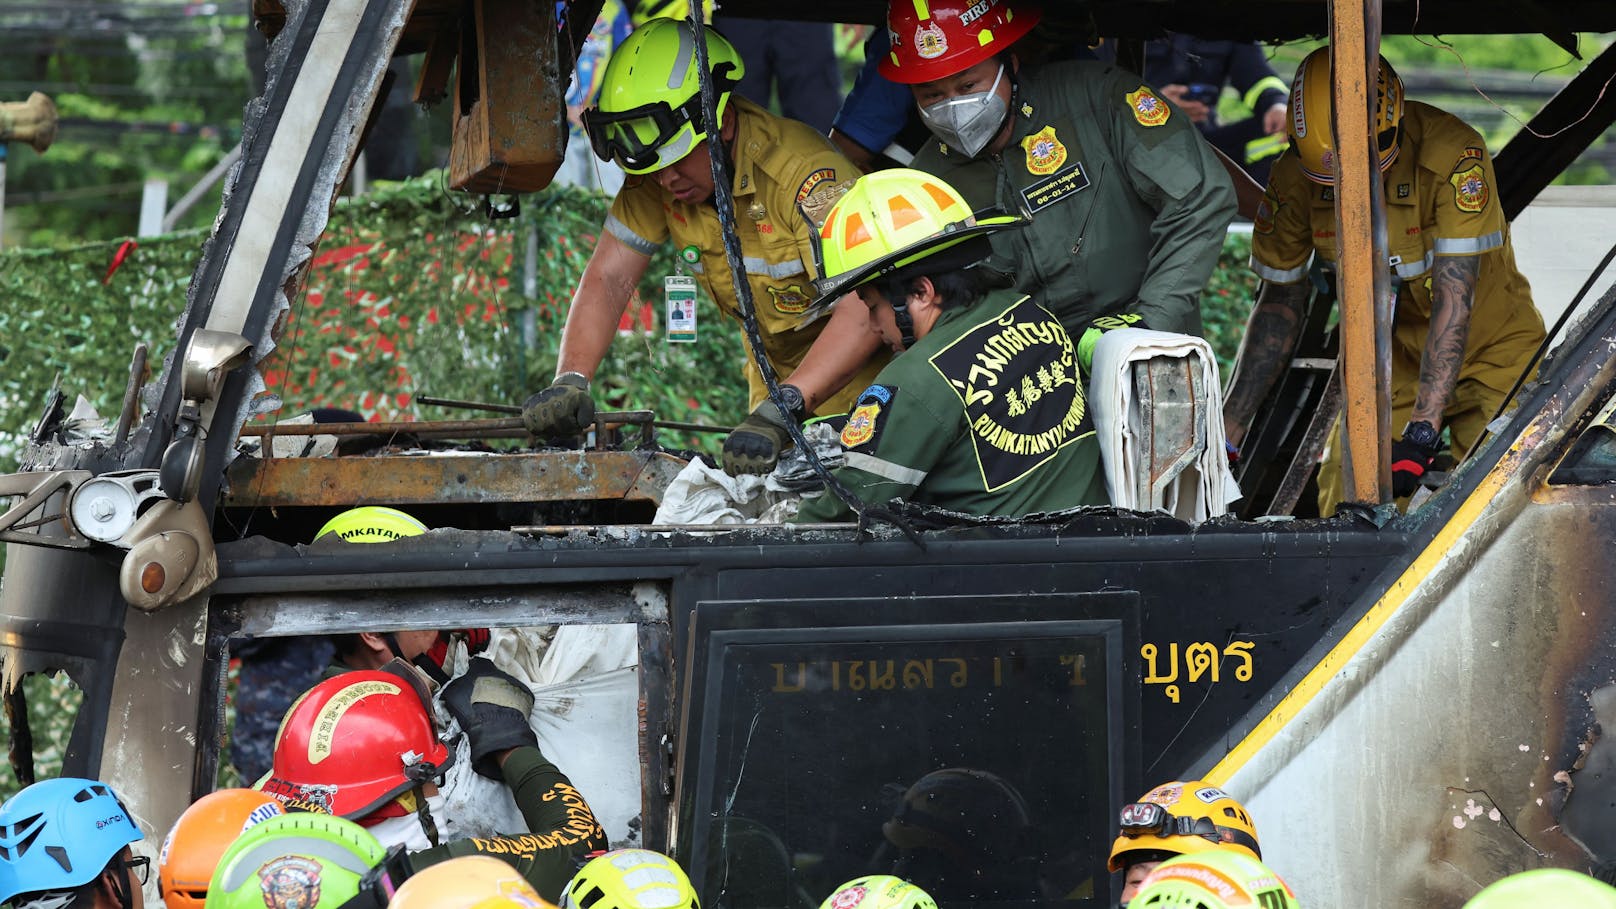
[1065, 182]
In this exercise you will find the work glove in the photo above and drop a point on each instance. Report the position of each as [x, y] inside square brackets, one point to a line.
[492, 707]
[754, 446]
[1410, 461]
[1096, 330]
[564, 408]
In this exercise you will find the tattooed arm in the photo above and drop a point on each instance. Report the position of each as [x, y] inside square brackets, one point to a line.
[1453, 293]
[1271, 336]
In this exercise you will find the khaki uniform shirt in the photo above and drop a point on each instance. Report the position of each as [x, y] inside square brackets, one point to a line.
[1441, 200]
[778, 163]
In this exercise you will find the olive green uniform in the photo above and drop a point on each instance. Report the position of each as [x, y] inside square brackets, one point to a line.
[984, 415]
[561, 828]
[1129, 203]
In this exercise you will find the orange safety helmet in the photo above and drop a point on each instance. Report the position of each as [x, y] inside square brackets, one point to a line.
[199, 838]
[354, 743]
[1181, 817]
[468, 882]
[1311, 127]
[938, 39]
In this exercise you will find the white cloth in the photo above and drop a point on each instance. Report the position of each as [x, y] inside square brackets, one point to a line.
[707, 495]
[586, 692]
[1206, 487]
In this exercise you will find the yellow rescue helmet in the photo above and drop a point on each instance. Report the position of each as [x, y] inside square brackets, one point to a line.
[1178, 818]
[372, 524]
[890, 219]
[468, 882]
[630, 879]
[1310, 126]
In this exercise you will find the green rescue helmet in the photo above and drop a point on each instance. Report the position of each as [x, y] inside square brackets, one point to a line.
[649, 113]
[878, 891]
[306, 861]
[1545, 887]
[372, 524]
[1216, 879]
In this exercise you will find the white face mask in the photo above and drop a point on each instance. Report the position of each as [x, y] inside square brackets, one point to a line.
[407, 831]
[968, 122]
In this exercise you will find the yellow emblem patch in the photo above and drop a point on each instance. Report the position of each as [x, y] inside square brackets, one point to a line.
[1470, 191]
[860, 426]
[1148, 108]
[1045, 153]
[790, 299]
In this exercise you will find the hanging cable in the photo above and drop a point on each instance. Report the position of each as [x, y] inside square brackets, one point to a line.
[723, 200]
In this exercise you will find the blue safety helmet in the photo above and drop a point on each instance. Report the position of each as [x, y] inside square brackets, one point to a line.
[60, 835]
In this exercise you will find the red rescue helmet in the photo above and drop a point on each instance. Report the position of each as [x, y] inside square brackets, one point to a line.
[353, 744]
[931, 40]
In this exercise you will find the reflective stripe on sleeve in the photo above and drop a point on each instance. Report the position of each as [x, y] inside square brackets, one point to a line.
[1254, 93]
[630, 239]
[897, 473]
[1406, 270]
[1469, 246]
[1280, 275]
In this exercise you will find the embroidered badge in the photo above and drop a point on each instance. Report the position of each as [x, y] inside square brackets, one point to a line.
[864, 423]
[823, 175]
[1403, 190]
[1148, 109]
[1045, 153]
[291, 882]
[790, 299]
[1263, 223]
[1470, 191]
[930, 42]
[1470, 152]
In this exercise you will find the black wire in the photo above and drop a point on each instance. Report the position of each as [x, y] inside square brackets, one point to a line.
[1548, 338]
[725, 204]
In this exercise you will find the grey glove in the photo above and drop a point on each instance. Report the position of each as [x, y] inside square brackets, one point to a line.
[492, 707]
[562, 409]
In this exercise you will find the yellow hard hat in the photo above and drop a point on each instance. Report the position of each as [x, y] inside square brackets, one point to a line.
[1309, 123]
[630, 879]
[890, 219]
[372, 524]
[1181, 817]
[468, 882]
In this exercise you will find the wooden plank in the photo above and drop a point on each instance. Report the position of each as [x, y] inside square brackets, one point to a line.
[509, 129]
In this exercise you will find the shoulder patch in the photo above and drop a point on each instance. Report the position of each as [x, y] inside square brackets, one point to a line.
[790, 299]
[1148, 108]
[1270, 205]
[824, 175]
[1017, 378]
[1470, 192]
[1470, 152]
[864, 423]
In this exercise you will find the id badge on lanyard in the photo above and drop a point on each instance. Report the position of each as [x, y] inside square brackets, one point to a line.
[679, 301]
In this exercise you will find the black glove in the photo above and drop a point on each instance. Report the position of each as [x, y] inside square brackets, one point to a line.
[492, 707]
[755, 445]
[562, 409]
[1410, 461]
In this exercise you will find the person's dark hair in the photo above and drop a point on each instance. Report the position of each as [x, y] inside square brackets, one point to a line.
[957, 287]
[345, 643]
[82, 896]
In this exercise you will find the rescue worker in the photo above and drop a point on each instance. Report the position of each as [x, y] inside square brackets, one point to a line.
[878, 891]
[1219, 879]
[468, 882]
[1178, 818]
[65, 843]
[294, 861]
[1128, 203]
[649, 120]
[1545, 887]
[362, 746]
[198, 840]
[1464, 328]
[630, 879]
[933, 428]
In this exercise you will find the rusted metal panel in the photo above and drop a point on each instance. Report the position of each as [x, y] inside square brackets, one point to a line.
[509, 130]
[555, 476]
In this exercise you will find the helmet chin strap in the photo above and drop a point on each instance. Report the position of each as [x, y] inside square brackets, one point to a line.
[905, 322]
[419, 661]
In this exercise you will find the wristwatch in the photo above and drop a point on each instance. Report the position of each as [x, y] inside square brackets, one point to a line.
[1421, 433]
[791, 396]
